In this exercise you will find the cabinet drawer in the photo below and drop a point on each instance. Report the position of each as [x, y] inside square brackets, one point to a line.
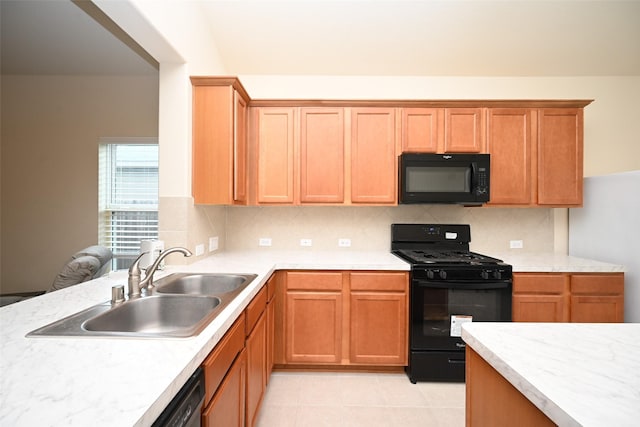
[314, 280]
[219, 361]
[375, 281]
[255, 309]
[599, 284]
[540, 283]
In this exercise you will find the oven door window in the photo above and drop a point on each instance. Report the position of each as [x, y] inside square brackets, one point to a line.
[432, 308]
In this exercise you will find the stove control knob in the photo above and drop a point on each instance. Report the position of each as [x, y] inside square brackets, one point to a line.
[430, 274]
[484, 275]
[443, 274]
[497, 274]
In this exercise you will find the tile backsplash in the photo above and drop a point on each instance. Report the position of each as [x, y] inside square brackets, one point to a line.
[368, 228]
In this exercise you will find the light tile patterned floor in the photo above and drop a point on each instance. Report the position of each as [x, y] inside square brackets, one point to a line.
[359, 399]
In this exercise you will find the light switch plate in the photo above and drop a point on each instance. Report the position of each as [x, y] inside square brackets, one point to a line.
[264, 241]
[516, 244]
[213, 244]
[199, 249]
[344, 243]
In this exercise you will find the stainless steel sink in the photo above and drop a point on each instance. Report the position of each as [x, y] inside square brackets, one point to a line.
[202, 284]
[180, 305]
[179, 316]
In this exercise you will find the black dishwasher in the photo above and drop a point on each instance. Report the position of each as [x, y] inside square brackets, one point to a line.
[184, 410]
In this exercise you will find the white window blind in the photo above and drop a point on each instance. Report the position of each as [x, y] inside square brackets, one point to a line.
[128, 198]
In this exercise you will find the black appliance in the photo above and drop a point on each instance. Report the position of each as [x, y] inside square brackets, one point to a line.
[185, 409]
[449, 285]
[443, 178]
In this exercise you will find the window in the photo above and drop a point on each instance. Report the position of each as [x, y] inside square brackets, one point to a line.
[128, 198]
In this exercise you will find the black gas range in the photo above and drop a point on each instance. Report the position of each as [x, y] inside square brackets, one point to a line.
[450, 285]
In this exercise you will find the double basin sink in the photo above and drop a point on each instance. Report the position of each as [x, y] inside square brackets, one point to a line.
[179, 305]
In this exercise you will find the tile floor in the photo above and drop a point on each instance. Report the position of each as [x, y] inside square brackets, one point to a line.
[359, 399]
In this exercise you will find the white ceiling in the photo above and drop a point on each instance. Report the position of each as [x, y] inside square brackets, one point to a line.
[357, 37]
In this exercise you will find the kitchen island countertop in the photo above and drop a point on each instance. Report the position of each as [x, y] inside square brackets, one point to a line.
[577, 374]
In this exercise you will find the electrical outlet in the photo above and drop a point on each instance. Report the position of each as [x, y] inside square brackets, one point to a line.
[344, 243]
[200, 249]
[213, 244]
[516, 244]
[264, 241]
[306, 242]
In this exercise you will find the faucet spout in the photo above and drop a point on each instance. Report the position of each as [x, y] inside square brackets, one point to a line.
[135, 273]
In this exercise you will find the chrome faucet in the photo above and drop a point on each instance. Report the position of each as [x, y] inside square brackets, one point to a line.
[135, 284]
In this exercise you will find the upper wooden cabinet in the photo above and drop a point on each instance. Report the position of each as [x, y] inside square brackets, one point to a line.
[299, 152]
[373, 159]
[219, 141]
[560, 153]
[443, 130]
[509, 140]
[422, 130]
[276, 156]
[463, 130]
[322, 155]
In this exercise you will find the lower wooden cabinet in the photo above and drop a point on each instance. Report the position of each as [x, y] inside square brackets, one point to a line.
[227, 408]
[224, 377]
[345, 318]
[567, 297]
[379, 319]
[237, 370]
[597, 298]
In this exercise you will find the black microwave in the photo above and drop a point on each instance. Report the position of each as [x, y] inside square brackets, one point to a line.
[443, 178]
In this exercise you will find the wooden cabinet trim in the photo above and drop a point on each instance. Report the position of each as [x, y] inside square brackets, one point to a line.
[405, 103]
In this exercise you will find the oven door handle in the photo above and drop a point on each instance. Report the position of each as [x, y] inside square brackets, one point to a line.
[452, 284]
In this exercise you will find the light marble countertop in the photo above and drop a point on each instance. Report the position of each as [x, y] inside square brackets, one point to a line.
[82, 381]
[578, 374]
[49, 381]
[555, 263]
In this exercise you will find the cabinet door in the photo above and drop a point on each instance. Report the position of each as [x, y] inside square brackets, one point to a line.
[275, 155]
[314, 327]
[509, 143]
[560, 155]
[463, 130]
[373, 159]
[322, 155]
[378, 328]
[240, 149]
[227, 407]
[256, 349]
[540, 298]
[212, 152]
[421, 129]
[597, 298]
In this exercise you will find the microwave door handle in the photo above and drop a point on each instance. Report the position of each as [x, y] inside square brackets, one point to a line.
[474, 174]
